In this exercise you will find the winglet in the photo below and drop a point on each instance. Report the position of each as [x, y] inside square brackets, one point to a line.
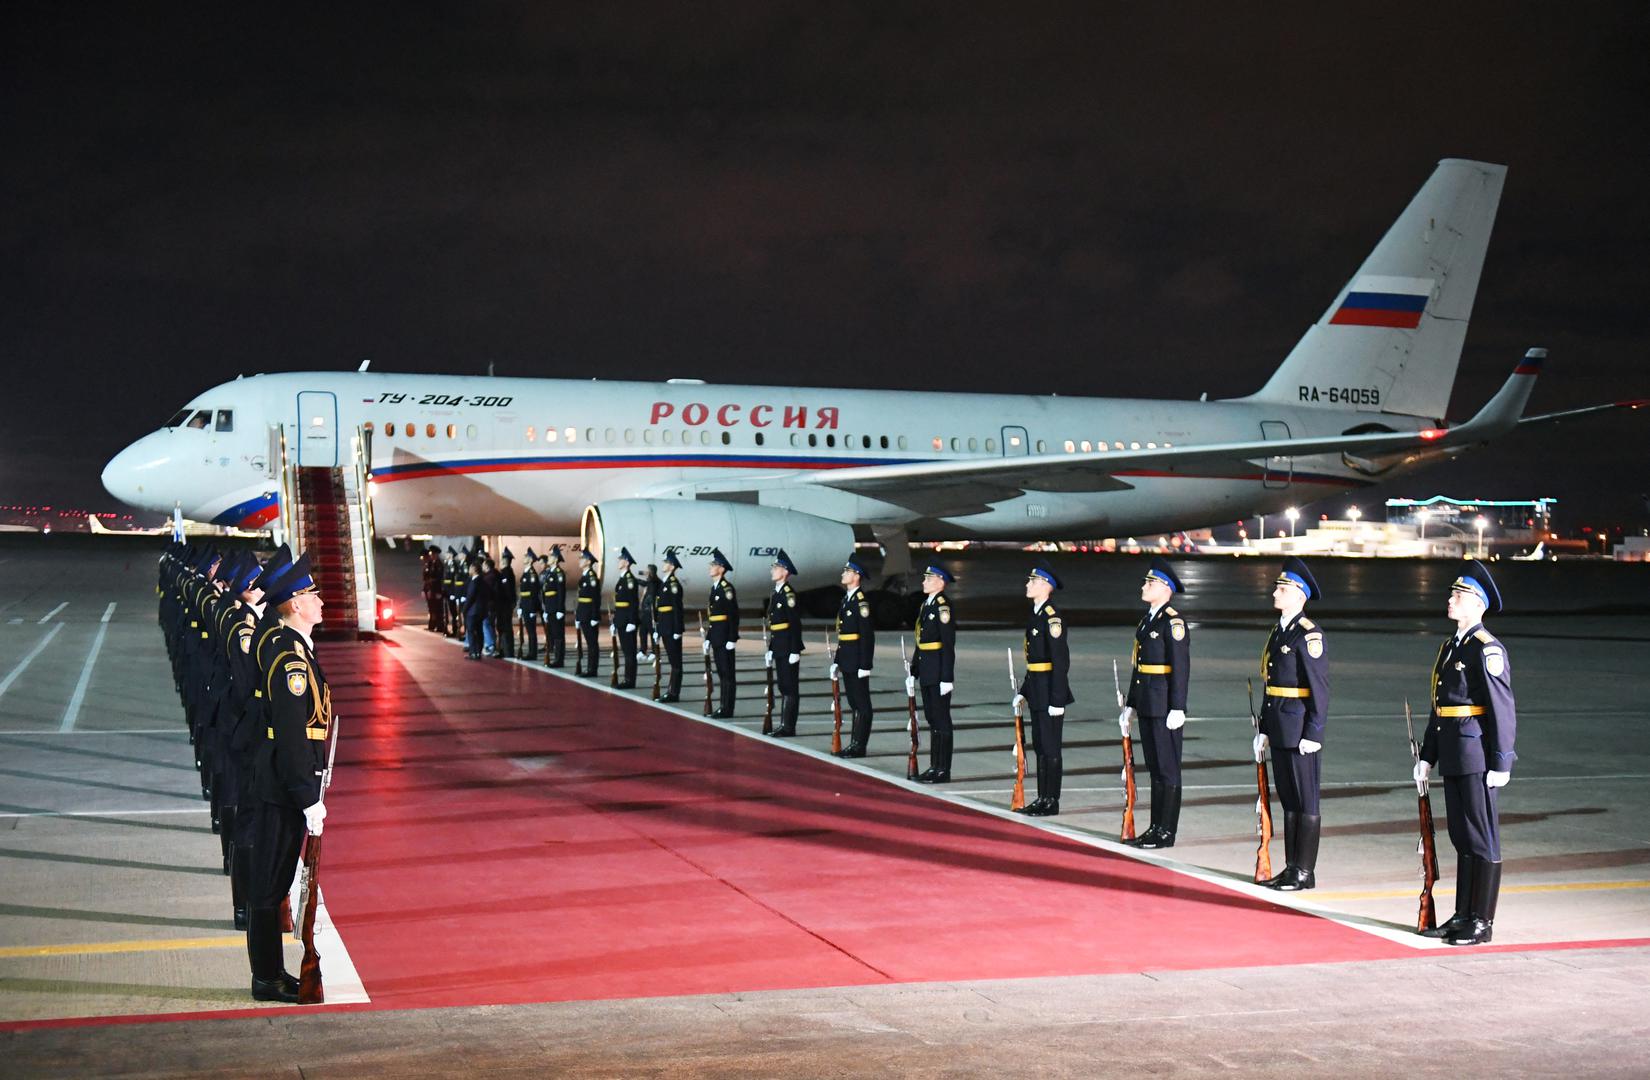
[1500, 413]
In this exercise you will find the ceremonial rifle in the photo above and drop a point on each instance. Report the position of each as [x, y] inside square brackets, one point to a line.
[704, 646]
[910, 712]
[1129, 790]
[309, 896]
[1019, 799]
[658, 660]
[767, 704]
[836, 697]
[613, 633]
[1263, 802]
[578, 641]
[1427, 917]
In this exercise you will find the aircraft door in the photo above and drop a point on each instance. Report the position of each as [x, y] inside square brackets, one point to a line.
[318, 429]
[1279, 470]
[1016, 443]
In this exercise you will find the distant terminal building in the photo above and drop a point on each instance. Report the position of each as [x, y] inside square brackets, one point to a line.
[1504, 521]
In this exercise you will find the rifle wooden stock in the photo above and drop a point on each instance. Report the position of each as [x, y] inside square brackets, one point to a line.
[703, 647]
[1427, 917]
[1019, 799]
[658, 663]
[613, 632]
[578, 643]
[310, 991]
[1129, 790]
[911, 758]
[1263, 813]
[767, 702]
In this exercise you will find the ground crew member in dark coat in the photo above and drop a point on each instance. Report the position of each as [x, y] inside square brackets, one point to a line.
[434, 589]
[627, 602]
[784, 652]
[669, 619]
[553, 600]
[287, 768]
[478, 605]
[587, 613]
[1470, 740]
[1295, 669]
[647, 584]
[530, 606]
[504, 605]
[1159, 672]
[856, 636]
[934, 669]
[1046, 689]
[722, 617]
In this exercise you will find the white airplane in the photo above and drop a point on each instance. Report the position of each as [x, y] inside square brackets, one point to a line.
[749, 469]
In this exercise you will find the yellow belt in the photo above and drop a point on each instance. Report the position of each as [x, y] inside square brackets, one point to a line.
[587, 599]
[780, 626]
[315, 734]
[1039, 667]
[665, 609]
[930, 646]
[718, 618]
[1457, 711]
[1288, 691]
[621, 603]
[1153, 669]
[848, 637]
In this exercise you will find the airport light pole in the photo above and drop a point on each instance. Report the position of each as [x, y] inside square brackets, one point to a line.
[1424, 515]
[1291, 514]
[1480, 522]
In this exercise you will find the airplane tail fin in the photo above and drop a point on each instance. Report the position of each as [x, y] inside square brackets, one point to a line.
[1391, 341]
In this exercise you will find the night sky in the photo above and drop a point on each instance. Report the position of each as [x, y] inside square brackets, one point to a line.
[1085, 199]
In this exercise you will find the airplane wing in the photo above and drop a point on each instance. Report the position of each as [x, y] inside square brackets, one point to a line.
[952, 488]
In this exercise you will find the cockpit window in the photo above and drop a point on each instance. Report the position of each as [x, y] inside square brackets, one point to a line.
[226, 419]
[178, 419]
[201, 419]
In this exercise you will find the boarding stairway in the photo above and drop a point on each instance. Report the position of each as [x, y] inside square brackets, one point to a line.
[327, 514]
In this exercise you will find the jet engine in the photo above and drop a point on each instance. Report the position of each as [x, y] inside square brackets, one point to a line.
[748, 535]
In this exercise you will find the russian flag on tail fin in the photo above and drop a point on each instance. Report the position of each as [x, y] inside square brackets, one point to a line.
[1531, 364]
[1376, 300]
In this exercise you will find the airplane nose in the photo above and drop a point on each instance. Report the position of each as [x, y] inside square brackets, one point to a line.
[132, 475]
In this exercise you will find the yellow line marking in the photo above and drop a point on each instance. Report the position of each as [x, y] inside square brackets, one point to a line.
[155, 945]
[1572, 886]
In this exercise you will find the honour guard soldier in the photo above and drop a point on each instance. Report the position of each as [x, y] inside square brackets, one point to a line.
[287, 766]
[587, 614]
[1295, 669]
[553, 599]
[627, 599]
[1469, 740]
[935, 670]
[504, 605]
[1046, 689]
[457, 577]
[529, 604]
[1159, 671]
[668, 620]
[785, 648]
[723, 616]
[856, 637]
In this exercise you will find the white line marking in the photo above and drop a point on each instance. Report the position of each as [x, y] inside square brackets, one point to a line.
[22, 665]
[108, 612]
[106, 813]
[44, 619]
[106, 731]
[72, 713]
[18, 621]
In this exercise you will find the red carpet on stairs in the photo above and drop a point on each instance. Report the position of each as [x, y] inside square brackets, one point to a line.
[502, 835]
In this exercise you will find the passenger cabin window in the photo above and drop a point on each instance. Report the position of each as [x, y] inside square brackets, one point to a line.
[226, 419]
[177, 421]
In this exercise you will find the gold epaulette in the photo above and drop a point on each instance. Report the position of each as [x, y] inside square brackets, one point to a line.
[1484, 636]
[1305, 623]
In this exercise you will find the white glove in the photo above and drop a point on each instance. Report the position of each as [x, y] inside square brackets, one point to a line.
[677, 637]
[1307, 746]
[730, 645]
[794, 658]
[767, 658]
[910, 686]
[1422, 770]
[1018, 703]
[1261, 743]
[630, 628]
[1055, 710]
[836, 672]
[1124, 719]
[1497, 779]
[314, 815]
[1176, 719]
[946, 688]
[641, 657]
[706, 646]
[865, 673]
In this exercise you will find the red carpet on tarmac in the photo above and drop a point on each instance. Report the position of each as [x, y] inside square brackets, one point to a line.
[500, 835]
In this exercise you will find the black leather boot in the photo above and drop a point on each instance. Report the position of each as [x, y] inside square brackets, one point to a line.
[1291, 844]
[1303, 873]
[1486, 890]
[1048, 798]
[1162, 834]
[270, 981]
[1463, 900]
[1150, 831]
